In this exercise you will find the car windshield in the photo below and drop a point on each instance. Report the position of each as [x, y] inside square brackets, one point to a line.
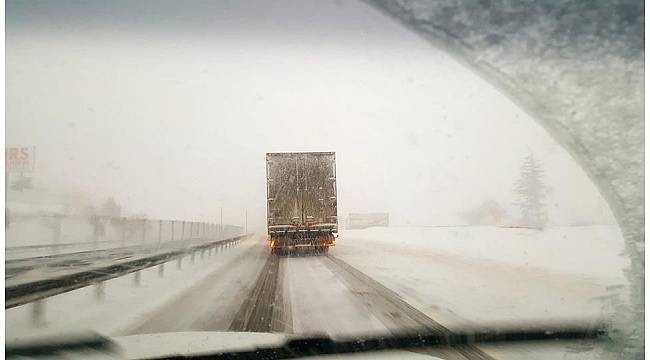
[187, 177]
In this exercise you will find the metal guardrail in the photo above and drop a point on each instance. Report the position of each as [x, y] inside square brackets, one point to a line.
[40, 289]
[56, 231]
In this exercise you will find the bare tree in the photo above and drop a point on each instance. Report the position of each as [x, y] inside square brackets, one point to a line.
[531, 193]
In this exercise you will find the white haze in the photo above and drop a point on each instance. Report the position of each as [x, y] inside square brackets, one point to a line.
[174, 122]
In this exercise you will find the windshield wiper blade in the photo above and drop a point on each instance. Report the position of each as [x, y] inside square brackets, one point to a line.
[314, 346]
[52, 346]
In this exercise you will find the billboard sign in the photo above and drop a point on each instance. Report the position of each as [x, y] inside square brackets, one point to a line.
[20, 159]
[366, 220]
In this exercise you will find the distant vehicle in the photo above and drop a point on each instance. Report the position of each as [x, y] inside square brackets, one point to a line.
[301, 200]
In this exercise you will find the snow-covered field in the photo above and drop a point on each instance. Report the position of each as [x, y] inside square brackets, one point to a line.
[590, 251]
[486, 276]
[476, 276]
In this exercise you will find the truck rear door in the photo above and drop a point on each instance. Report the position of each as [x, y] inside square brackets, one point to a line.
[317, 177]
[283, 206]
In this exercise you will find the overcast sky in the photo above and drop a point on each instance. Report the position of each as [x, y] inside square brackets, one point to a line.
[171, 106]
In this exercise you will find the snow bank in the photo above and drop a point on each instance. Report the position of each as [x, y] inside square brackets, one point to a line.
[489, 276]
[592, 251]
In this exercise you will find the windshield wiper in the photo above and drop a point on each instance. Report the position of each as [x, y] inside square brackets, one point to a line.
[314, 346]
[52, 346]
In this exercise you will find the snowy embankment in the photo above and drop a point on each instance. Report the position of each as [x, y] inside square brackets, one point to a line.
[592, 251]
[465, 276]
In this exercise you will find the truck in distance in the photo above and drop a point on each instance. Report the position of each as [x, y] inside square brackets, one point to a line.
[301, 201]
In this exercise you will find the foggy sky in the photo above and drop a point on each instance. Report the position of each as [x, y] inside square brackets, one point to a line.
[170, 107]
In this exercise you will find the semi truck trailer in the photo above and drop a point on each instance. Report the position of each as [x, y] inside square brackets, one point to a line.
[301, 201]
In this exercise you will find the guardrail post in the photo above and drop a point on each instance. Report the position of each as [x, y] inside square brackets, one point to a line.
[38, 312]
[136, 278]
[161, 270]
[183, 230]
[192, 257]
[179, 263]
[100, 290]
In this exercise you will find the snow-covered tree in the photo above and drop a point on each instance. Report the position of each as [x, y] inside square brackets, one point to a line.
[531, 193]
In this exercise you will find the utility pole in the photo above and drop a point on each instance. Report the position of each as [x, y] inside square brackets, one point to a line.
[221, 221]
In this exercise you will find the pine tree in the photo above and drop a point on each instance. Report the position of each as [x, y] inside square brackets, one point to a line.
[531, 193]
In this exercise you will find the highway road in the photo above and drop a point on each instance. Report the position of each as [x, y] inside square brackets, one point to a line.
[296, 294]
[359, 289]
[356, 290]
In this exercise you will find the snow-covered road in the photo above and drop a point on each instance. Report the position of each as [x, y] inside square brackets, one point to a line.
[319, 295]
[322, 303]
[369, 284]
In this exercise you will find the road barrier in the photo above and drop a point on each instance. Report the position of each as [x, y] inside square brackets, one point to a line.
[40, 289]
[52, 233]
